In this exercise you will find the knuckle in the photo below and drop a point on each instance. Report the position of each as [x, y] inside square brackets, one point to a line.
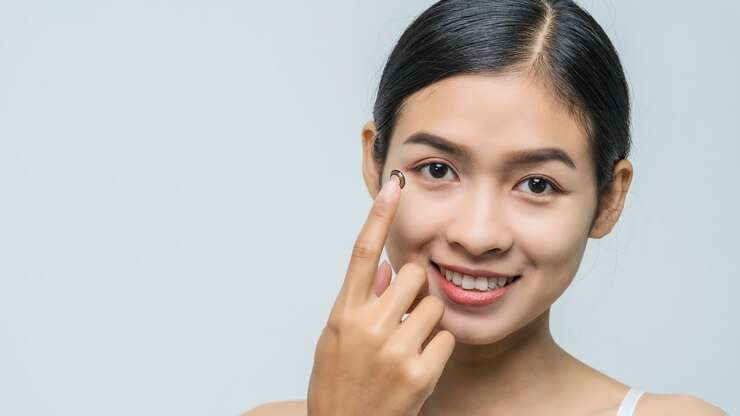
[395, 354]
[374, 334]
[355, 330]
[418, 378]
[336, 322]
[363, 250]
[379, 211]
[341, 317]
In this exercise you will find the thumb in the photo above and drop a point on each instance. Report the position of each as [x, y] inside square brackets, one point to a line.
[382, 278]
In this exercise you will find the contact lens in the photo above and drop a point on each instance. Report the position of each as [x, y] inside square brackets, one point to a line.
[399, 174]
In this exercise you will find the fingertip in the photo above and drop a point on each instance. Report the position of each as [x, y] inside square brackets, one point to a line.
[390, 189]
[383, 265]
[382, 278]
[399, 177]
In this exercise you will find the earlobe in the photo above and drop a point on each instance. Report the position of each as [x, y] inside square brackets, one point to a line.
[612, 201]
[603, 223]
[600, 226]
[369, 167]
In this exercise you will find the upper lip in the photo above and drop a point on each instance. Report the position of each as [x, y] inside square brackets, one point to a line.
[473, 272]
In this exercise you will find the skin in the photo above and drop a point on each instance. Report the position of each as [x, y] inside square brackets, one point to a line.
[481, 215]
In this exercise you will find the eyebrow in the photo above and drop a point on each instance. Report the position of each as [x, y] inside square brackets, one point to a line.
[515, 158]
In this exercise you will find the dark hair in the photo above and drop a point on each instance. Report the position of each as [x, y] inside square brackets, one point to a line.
[556, 40]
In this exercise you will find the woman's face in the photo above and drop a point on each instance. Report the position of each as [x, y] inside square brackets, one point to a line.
[478, 208]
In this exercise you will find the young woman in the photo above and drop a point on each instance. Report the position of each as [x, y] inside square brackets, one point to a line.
[509, 122]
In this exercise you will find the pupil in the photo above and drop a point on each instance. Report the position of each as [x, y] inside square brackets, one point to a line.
[438, 168]
[536, 184]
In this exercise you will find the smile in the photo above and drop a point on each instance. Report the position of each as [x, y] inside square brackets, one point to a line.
[475, 282]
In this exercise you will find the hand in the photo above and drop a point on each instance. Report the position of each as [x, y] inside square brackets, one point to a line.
[368, 362]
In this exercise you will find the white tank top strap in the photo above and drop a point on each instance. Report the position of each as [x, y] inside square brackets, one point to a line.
[627, 408]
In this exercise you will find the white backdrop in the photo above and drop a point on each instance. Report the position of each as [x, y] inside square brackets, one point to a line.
[181, 189]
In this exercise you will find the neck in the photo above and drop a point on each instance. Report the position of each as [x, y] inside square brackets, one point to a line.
[507, 376]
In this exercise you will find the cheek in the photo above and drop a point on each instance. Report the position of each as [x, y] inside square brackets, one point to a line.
[419, 219]
[553, 239]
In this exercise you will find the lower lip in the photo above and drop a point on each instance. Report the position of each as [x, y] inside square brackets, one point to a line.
[471, 297]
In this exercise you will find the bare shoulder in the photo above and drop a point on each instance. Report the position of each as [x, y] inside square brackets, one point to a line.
[652, 404]
[281, 408]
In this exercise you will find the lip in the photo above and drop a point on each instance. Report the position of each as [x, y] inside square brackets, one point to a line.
[472, 272]
[467, 297]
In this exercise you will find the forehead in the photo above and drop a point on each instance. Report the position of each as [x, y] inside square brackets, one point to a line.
[492, 115]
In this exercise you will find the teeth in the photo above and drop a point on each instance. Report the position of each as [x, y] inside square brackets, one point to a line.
[468, 282]
[479, 283]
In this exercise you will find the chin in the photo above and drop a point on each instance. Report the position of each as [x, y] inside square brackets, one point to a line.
[474, 330]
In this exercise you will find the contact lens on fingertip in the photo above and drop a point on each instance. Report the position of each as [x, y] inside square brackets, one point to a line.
[399, 174]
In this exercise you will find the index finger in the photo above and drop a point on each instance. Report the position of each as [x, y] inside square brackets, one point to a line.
[359, 280]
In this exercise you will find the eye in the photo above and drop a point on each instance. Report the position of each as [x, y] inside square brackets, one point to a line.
[538, 185]
[437, 170]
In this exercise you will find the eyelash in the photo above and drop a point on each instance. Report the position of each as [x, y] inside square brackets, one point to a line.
[555, 189]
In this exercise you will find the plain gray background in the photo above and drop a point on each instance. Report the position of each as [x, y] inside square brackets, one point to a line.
[181, 189]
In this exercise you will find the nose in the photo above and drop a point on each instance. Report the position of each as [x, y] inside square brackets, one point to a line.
[479, 224]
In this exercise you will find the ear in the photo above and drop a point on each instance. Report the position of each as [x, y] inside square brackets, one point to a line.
[612, 201]
[370, 171]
